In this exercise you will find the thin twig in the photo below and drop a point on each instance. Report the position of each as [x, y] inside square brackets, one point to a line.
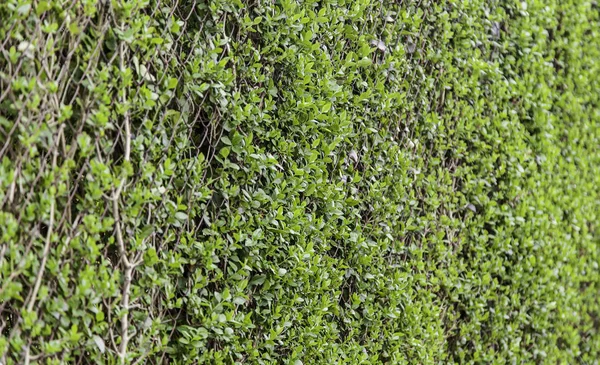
[40, 274]
[127, 264]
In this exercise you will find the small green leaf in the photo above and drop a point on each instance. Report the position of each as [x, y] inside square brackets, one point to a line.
[181, 216]
[24, 9]
[99, 342]
[364, 62]
[239, 300]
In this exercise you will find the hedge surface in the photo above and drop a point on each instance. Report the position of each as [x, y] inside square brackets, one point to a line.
[299, 182]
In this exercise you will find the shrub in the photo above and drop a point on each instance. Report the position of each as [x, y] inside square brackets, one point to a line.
[365, 182]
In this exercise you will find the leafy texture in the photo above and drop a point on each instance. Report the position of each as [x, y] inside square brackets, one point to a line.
[299, 182]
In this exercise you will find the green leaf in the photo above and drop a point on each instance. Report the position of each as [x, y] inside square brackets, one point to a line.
[181, 216]
[364, 62]
[99, 342]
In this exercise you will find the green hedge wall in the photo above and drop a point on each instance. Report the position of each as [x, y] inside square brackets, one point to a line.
[299, 182]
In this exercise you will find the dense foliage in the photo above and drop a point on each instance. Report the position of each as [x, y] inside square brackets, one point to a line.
[299, 182]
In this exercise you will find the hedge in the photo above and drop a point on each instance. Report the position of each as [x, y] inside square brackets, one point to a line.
[299, 182]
